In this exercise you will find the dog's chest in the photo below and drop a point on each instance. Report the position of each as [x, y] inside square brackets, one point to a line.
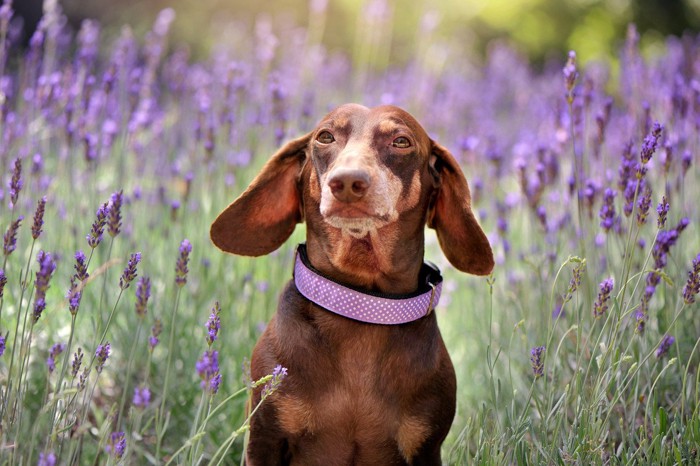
[357, 394]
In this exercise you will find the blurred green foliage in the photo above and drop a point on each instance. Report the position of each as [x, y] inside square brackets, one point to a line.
[540, 29]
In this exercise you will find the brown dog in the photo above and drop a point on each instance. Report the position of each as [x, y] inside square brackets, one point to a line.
[360, 391]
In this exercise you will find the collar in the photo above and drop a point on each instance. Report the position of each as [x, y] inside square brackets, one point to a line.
[363, 305]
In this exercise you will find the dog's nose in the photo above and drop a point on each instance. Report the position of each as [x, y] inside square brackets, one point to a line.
[349, 184]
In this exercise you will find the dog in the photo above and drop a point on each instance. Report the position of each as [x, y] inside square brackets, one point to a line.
[369, 379]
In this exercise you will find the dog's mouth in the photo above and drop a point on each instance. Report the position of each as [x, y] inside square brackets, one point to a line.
[357, 223]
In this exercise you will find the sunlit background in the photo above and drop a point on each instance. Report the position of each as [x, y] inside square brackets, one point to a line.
[541, 29]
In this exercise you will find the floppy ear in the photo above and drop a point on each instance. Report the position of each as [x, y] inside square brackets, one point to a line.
[265, 215]
[459, 234]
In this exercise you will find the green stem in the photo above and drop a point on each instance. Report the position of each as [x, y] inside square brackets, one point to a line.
[129, 367]
[159, 425]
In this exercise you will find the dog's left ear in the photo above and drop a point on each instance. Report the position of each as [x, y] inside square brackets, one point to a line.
[459, 234]
[265, 215]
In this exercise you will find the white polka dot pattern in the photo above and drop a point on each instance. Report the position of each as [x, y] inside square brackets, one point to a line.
[360, 306]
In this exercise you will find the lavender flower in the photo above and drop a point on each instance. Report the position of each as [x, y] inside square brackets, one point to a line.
[114, 214]
[3, 282]
[662, 211]
[155, 332]
[102, 354]
[39, 217]
[5, 13]
[181, 266]
[650, 143]
[47, 266]
[607, 210]
[570, 76]
[82, 378]
[75, 292]
[537, 361]
[208, 369]
[143, 292]
[116, 445]
[47, 459]
[213, 324]
[641, 319]
[600, 306]
[94, 238]
[10, 237]
[142, 397]
[664, 346]
[129, 271]
[2, 345]
[81, 272]
[686, 161]
[627, 167]
[56, 350]
[575, 281]
[15, 183]
[278, 374]
[77, 362]
[643, 206]
[692, 286]
[630, 191]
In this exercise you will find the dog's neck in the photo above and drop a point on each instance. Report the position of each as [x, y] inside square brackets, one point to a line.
[388, 261]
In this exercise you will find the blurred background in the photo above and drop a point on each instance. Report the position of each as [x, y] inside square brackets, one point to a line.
[540, 29]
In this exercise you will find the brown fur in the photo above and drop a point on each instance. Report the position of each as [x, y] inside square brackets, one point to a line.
[356, 393]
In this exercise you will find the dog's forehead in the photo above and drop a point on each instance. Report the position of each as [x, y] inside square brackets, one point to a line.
[385, 118]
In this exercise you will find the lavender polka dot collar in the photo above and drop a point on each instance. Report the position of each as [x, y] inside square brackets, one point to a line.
[365, 306]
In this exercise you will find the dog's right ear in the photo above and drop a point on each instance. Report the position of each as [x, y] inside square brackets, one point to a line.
[265, 215]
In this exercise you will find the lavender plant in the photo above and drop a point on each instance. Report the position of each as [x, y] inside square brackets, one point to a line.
[135, 139]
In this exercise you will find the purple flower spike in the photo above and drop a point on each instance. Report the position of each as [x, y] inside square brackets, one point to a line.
[213, 324]
[16, 183]
[641, 320]
[2, 345]
[94, 238]
[116, 445]
[47, 459]
[39, 218]
[537, 361]
[607, 210]
[114, 214]
[75, 292]
[10, 237]
[56, 350]
[47, 266]
[77, 362]
[643, 206]
[143, 292]
[278, 374]
[142, 397]
[692, 286]
[129, 271]
[3, 282]
[102, 354]
[650, 143]
[208, 369]
[181, 266]
[664, 346]
[662, 211]
[600, 306]
[81, 272]
[155, 333]
[570, 75]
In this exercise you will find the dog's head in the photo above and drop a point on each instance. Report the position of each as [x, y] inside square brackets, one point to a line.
[362, 174]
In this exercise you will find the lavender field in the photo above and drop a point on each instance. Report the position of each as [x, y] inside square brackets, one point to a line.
[124, 333]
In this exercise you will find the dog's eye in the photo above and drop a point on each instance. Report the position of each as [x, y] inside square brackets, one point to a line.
[401, 142]
[325, 138]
